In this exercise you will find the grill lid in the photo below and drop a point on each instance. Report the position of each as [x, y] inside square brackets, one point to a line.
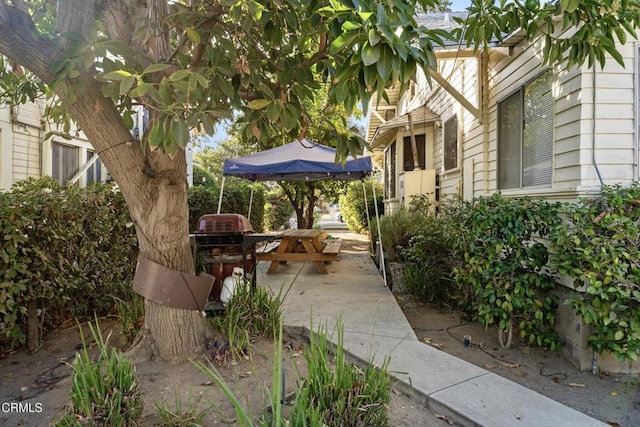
[224, 224]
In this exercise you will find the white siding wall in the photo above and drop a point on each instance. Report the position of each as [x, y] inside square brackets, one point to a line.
[20, 143]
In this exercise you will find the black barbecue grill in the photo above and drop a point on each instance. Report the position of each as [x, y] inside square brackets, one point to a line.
[226, 241]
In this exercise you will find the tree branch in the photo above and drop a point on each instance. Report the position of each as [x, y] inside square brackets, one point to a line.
[21, 42]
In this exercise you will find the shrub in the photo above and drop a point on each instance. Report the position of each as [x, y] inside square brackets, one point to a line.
[65, 251]
[353, 208]
[428, 262]
[505, 265]
[340, 393]
[278, 211]
[396, 231]
[202, 178]
[598, 247]
[204, 201]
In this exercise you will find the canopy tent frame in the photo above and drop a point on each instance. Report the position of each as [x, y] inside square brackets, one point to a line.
[295, 162]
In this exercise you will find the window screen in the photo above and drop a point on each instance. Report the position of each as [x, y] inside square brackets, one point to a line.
[390, 172]
[451, 143]
[64, 162]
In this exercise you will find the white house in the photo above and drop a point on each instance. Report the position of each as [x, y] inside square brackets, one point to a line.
[25, 152]
[500, 121]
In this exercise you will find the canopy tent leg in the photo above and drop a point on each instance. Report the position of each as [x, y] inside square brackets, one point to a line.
[375, 205]
[221, 192]
[251, 200]
[366, 208]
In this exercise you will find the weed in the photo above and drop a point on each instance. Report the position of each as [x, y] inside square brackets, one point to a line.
[105, 391]
[190, 416]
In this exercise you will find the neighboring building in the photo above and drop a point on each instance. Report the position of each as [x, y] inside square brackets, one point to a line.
[24, 151]
[500, 121]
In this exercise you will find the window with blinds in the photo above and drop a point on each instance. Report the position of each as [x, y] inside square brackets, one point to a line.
[525, 136]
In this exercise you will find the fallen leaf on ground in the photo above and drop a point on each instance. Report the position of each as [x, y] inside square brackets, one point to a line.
[614, 393]
[396, 392]
[245, 374]
[509, 364]
[444, 417]
[576, 385]
[24, 388]
[489, 366]
[613, 423]
[438, 346]
[426, 340]
[557, 380]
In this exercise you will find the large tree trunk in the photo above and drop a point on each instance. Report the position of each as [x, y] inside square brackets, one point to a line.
[155, 188]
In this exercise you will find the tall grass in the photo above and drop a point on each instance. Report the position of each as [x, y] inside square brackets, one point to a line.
[131, 313]
[335, 392]
[340, 392]
[105, 391]
[250, 313]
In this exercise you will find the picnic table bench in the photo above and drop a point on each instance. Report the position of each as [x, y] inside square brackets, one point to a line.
[303, 245]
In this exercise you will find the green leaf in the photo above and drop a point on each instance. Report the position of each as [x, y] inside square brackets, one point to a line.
[385, 64]
[117, 75]
[180, 131]
[179, 75]
[618, 335]
[155, 136]
[342, 41]
[154, 68]
[126, 84]
[258, 104]
[370, 54]
[193, 34]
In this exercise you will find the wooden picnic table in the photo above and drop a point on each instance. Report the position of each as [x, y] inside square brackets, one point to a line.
[302, 245]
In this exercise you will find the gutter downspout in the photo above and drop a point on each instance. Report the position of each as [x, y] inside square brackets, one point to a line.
[484, 91]
[593, 135]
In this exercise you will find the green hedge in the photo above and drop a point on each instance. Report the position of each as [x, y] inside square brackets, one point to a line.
[353, 207]
[203, 200]
[66, 253]
[598, 247]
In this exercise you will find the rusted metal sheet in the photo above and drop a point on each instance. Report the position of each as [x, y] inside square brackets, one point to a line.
[171, 287]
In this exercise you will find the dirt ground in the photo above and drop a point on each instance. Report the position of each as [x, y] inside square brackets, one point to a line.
[40, 383]
[614, 398]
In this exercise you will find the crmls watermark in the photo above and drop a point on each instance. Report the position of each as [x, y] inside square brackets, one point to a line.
[21, 407]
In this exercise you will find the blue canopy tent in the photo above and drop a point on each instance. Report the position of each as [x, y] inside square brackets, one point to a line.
[301, 160]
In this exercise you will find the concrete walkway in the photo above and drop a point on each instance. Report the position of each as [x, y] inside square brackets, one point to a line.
[354, 294]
